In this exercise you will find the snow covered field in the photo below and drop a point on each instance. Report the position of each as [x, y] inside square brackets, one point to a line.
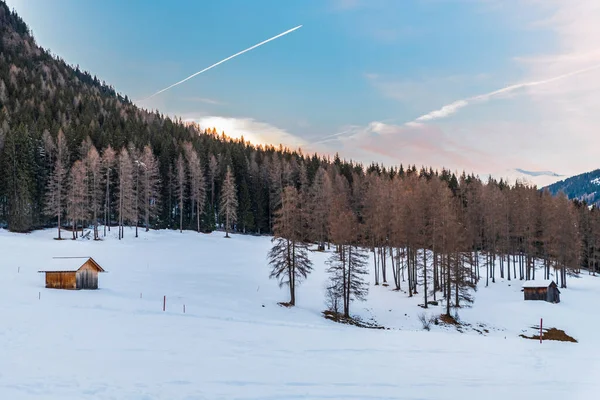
[235, 342]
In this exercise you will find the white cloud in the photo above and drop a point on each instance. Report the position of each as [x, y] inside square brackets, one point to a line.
[393, 144]
[453, 108]
[254, 131]
[569, 107]
[445, 111]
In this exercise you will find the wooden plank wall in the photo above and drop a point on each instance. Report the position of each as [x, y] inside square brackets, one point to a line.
[61, 280]
[87, 278]
[535, 293]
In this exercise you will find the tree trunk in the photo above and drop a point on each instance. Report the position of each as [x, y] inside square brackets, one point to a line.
[448, 285]
[181, 215]
[375, 266]
[409, 272]
[383, 263]
[425, 277]
[198, 215]
[226, 225]
[59, 222]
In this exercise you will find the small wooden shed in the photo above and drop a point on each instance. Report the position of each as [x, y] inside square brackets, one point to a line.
[72, 273]
[545, 290]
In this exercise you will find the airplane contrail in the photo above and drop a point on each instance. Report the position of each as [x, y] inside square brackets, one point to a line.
[222, 61]
[453, 108]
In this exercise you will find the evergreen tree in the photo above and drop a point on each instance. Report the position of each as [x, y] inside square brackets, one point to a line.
[18, 180]
[229, 201]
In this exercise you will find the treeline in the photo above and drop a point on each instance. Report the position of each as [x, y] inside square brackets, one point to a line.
[429, 233]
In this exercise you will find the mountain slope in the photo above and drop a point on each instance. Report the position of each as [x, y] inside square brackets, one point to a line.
[41, 95]
[584, 187]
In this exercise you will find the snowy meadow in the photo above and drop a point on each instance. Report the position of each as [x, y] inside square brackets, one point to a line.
[235, 342]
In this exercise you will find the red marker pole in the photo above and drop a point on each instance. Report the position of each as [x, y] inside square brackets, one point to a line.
[541, 321]
[164, 302]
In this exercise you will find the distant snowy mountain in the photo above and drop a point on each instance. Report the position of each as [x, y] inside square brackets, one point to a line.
[537, 173]
[582, 187]
[537, 178]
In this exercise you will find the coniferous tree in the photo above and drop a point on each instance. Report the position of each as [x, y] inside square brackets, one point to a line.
[125, 194]
[180, 182]
[136, 183]
[197, 182]
[348, 265]
[229, 201]
[108, 162]
[18, 180]
[213, 170]
[77, 197]
[319, 204]
[151, 183]
[57, 184]
[288, 257]
[347, 269]
[93, 164]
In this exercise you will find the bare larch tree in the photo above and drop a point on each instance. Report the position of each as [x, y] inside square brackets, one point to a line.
[151, 184]
[197, 182]
[125, 198]
[93, 164]
[180, 182]
[229, 200]
[57, 184]
[108, 163]
[288, 257]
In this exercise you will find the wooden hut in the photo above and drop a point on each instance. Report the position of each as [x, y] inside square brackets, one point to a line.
[72, 273]
[545, 290]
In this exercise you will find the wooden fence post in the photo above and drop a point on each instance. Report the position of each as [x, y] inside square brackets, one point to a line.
[541, 321]
[184, 308]
[164, 302]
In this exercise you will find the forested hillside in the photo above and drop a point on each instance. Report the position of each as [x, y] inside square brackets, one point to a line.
[41, 98]
[74, 153]
[584, 187]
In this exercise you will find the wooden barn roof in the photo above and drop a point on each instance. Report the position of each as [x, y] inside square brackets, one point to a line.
[538, 283]
[69, 264]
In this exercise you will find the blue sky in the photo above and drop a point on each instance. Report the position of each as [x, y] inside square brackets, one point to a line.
[360, 68]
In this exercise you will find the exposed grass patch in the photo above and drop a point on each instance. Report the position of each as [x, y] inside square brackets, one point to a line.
[449, 320]
[551, 334]
[340, 318]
